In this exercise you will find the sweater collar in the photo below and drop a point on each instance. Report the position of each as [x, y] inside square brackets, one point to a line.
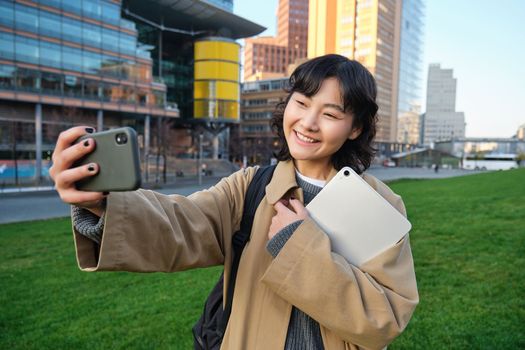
[284, 182]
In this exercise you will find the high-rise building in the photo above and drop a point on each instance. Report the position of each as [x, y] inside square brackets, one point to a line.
[269, 57]
[441, 121]
[153, 65]
[369, 32]
[410, 71]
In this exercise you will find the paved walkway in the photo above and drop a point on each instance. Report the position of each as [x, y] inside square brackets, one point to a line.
[44, 202]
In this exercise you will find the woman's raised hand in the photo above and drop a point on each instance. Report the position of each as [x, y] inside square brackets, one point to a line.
[64, 175]
[284, 216]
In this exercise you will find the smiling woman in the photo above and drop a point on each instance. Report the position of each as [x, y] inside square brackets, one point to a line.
[292, 291]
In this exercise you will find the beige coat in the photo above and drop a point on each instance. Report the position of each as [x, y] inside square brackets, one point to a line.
[357, 307]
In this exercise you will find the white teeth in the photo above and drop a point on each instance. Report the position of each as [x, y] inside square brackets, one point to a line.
[304, 138]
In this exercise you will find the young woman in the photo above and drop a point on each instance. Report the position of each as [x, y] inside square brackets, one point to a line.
[291, 291]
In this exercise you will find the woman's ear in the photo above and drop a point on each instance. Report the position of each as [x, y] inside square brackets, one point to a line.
[354, 133]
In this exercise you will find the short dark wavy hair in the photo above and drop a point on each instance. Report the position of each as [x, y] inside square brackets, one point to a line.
[358, 90]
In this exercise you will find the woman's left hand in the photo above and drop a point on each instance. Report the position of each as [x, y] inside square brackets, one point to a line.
[285, 216]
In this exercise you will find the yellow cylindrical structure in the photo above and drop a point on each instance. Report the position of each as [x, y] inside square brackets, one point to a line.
[216, 90]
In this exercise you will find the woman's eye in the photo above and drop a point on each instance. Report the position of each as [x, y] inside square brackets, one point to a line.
[330, 115]
[300, 102]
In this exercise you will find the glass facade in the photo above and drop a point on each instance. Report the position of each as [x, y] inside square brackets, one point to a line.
[43, 21]
[67, 85]
[175, 70]
[411, 56]
[61, 62]
[85, 40]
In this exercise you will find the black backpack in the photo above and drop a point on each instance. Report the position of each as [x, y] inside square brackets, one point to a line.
[209, 329]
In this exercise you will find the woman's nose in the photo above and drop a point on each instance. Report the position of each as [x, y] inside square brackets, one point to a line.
[309, 121]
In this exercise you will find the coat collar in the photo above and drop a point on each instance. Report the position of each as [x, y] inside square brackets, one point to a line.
[283, 181]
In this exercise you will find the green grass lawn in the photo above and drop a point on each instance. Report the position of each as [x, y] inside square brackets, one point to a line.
[468, 241]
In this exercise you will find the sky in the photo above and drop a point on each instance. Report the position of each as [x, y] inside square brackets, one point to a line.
[481, 40]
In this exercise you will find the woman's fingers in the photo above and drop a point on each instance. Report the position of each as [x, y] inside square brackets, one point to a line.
[299, 208]
[81, 198]
[67, 137]
[75, 152]
[291, 207]
[280, 207]
[65, 184]
[67, 178]
[285, 215]
[65, 155]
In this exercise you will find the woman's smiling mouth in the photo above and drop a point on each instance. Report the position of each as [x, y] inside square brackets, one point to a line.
[304, 138]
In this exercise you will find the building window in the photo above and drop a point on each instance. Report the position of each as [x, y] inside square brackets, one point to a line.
[91, 34]
[127, 44]
[27, 50]
[7, 46]
[71, 58]
[26, 18]
[92, 8]
[71, 30]
[74, 6]
[92, 89]
[28, 80]
[50, 24]
[51, 83]
[50, 55]
[7, 14]
[7, 77]
[91, 62]
[110, 40]
[111, 12]
[72, 86]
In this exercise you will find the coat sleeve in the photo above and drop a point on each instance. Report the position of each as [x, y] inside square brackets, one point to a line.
[368, 305]
[146, 231]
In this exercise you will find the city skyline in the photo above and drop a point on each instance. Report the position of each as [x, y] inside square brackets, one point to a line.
[468, 45]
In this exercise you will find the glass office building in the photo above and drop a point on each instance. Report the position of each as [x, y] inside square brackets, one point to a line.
[76, 50]
[410, 67]
[104, 63]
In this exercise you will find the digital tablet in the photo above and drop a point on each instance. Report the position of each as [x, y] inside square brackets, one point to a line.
[359, 221]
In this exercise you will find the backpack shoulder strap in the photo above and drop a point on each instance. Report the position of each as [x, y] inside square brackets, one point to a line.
[254, 194]
[253, 197]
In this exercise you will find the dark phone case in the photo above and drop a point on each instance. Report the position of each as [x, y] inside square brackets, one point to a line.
[119, 165]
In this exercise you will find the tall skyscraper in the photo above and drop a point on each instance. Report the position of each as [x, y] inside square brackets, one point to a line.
[441, 121]
[269, 57]
[410, 71]
[369, 32]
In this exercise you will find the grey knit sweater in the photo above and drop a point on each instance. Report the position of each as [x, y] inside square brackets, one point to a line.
[303, 332]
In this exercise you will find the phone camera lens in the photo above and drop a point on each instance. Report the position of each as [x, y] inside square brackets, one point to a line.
[121, 138]
[346, 172]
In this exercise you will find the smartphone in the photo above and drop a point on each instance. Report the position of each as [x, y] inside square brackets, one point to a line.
[117, 155]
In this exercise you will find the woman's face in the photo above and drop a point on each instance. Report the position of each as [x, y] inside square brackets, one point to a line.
[316, 127]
